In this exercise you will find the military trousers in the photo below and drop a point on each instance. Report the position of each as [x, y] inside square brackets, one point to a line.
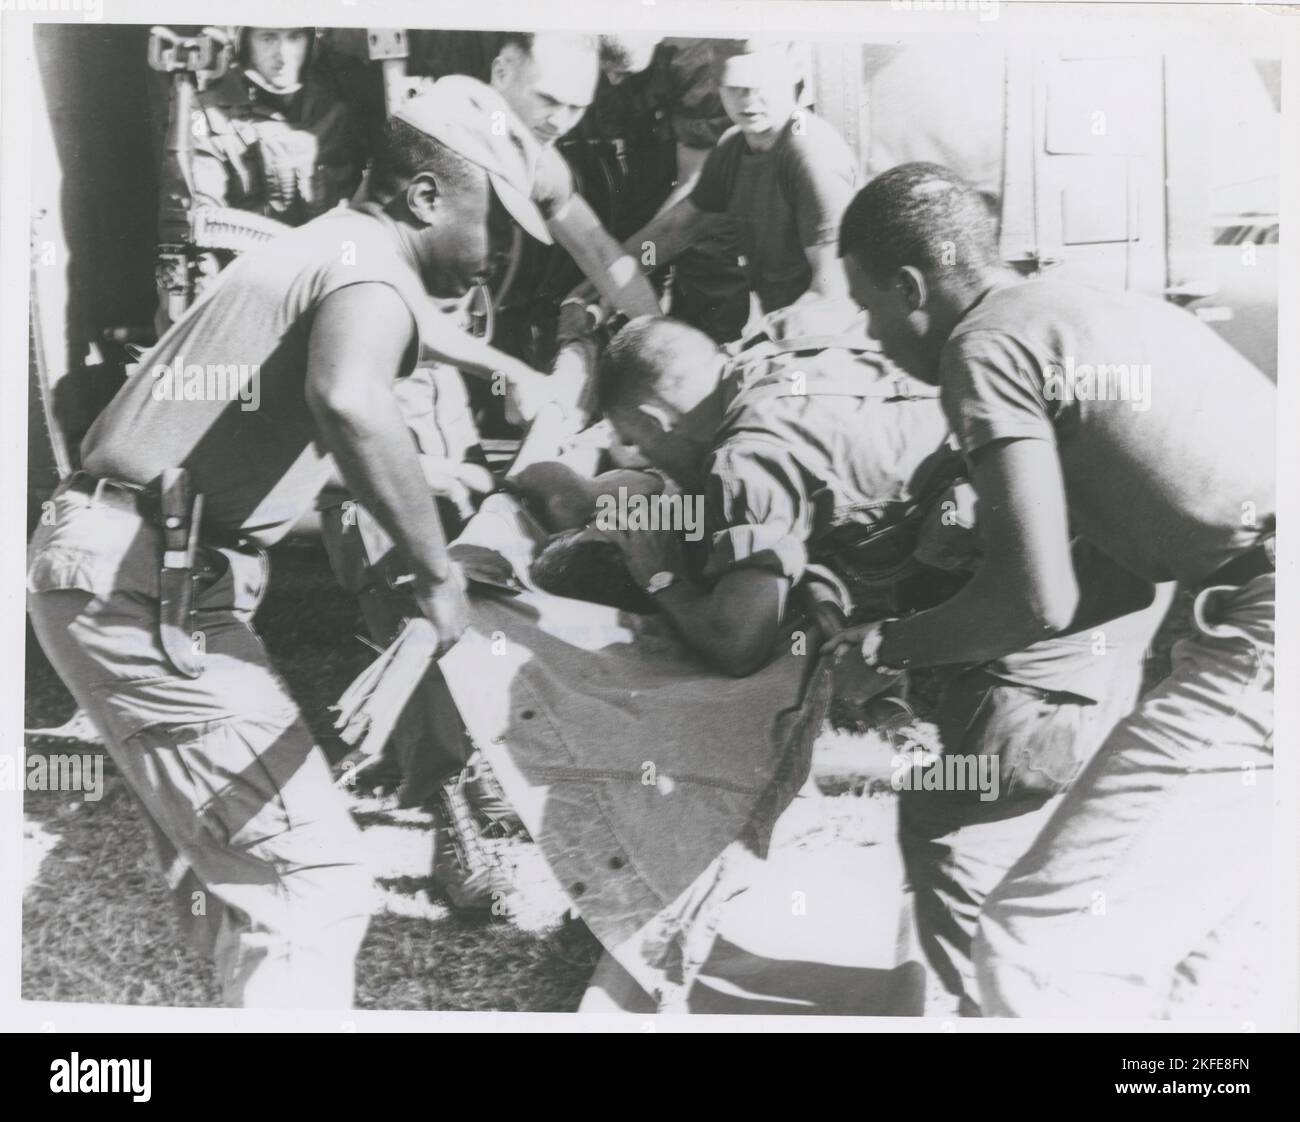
[257, 844]
[1154, 870]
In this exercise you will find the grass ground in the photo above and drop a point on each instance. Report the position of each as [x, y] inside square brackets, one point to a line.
[97, 925]
[97, 921]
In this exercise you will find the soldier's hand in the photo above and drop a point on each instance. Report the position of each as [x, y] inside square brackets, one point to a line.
[445, 605]
[646, 552]
[848, 639]
[578, 320]
[586, 293]
[855, 681]
[528, 392]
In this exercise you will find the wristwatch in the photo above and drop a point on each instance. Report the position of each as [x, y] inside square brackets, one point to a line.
[871, 645]
[660, 581]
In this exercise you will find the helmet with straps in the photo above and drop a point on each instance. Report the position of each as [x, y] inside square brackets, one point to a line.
[239, 43]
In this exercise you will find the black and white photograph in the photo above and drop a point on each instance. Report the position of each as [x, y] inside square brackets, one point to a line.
[739, 516]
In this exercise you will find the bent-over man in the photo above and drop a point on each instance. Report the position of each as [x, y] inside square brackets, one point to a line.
[143, 597]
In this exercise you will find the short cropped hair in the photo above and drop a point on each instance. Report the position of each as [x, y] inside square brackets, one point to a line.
[403, 151]
[649, 360]
[523, 41]
[920, 215]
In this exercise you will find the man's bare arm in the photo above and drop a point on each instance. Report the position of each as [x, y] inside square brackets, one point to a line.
[690, 161]
[670, 233]
[1026, 589]
[664, 238]
[607, 265]
[442, 340]
[735, 624]
[359, 340]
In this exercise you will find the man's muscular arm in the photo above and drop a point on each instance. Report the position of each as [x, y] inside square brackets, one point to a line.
[444, 341]
[360, 339]
[608, 267]
[733, 625]
[1024, 591]
[666, 236]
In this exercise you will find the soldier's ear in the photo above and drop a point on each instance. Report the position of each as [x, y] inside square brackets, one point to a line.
[912, 288]
[422, 196]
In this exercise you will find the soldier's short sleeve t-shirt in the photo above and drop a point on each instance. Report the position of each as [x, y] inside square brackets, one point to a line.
[1165, 432]
[782, 202]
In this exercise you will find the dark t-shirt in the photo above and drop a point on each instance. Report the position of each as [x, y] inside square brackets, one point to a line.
[787, 468]
[781, 202]
[1165, 433]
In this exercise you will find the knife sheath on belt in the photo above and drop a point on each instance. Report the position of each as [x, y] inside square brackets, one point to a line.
[181, 511]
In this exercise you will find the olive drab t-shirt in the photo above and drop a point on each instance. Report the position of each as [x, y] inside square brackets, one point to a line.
[781, 202]
[1165, 433]
[222, 393]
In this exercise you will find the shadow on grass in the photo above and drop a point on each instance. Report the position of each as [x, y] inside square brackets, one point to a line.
[98, 927]
[97, 922]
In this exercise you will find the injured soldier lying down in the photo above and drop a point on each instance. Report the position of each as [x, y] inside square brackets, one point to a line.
[791, 464]
[797, 480]
[823, 481]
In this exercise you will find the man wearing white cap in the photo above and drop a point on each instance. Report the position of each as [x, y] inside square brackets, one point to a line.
[782, 176]
[292, 354]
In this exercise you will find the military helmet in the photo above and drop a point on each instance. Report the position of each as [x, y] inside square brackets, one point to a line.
[239, 42]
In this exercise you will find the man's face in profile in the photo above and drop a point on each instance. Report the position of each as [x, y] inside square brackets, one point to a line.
[902, 331]
[459, 239]
[668, 444]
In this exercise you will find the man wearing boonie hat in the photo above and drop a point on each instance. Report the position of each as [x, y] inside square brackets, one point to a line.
[547, 80]
[439, 418]
[292, 354]
[782, 176]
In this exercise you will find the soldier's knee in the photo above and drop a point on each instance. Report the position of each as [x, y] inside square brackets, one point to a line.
[334, 905]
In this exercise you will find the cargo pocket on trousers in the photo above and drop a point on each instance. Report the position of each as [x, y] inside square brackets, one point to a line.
[1040, 738]
[208, 787]
[1036, 736]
